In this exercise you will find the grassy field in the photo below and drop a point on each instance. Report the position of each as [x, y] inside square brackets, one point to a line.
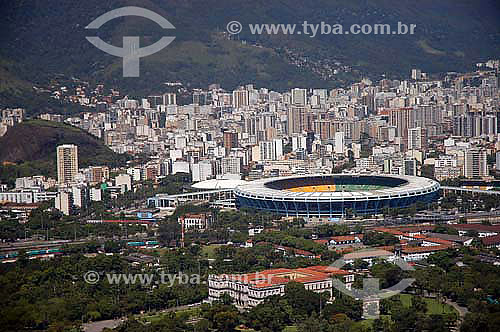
[291, 328]
[185, 314]
[434, 307]
[245, 330]
[209, 251]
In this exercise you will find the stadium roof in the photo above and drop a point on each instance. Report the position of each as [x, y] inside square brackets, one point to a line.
[218, 184]
[413, 186]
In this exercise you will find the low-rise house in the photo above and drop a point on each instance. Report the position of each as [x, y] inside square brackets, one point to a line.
[295, 252]
[369, 256]
[413, 254]
[457, 239]
[392, 231]
[491, 241]
[482, 230]
[197, 221]
[289, 251]
[138, 259]
[256, 230]
[346, 239]
[435, 241]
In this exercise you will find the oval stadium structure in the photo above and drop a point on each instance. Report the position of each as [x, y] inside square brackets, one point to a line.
[334, 194]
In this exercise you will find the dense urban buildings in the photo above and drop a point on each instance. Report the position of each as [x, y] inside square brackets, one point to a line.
[441, 128]
[227, 167]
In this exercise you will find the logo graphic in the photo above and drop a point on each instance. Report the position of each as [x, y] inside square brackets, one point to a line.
[130, 51]
[91, 277]
[371, 292]
[234, 27]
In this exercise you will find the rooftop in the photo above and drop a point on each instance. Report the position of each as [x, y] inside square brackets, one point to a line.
[410, 185]
[218, 184]
[491, 240]
[414, 250]
[282, 276]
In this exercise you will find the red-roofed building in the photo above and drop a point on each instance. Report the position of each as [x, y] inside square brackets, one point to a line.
[482, 230]
[295, 252]
[413, 254]
[346, 239]
[491, 241]
[290, 251]
[321, 241]
[248, 290]
[416, 230]
[417, 236]
[434, 241]
[392, 231]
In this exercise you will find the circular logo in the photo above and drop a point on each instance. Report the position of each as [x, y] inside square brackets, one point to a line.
[91, 277]
[234, 27]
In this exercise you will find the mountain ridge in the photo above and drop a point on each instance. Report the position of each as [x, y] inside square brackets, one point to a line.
[44, 40]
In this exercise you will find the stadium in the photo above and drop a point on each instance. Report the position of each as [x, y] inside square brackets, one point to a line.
[335, 194]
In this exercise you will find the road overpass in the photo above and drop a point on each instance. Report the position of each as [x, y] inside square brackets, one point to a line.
[471, 190]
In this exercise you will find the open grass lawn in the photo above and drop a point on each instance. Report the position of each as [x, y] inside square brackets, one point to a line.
[367, 323]
[152, 318]
[187, 313]
[434, 307]
[208, 251]
[291, 328]
[245, 330]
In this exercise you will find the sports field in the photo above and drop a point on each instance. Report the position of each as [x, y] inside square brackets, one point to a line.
[333, 187]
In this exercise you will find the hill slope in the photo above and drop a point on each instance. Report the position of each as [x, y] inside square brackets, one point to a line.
[32, 146]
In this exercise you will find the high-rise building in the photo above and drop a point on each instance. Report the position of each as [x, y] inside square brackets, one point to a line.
[95, 194]
[416, 74]
[339, 142]
[180, 142]
[231, 165]
[295, 118]
[402, 119]
[299, 142]
[415, 138]
[271, 150]
[67, 163]
[64, 202]
[475, 124]
[80, 196]
[230, 140]
[475, 165]
[240, 98]
[309, 141]
[299, 97]
[410, 167]
[151, 172]
[124, 181]
[99, 174]
[202, 171]
[323, 128]
[446, 167]
[169, 99]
